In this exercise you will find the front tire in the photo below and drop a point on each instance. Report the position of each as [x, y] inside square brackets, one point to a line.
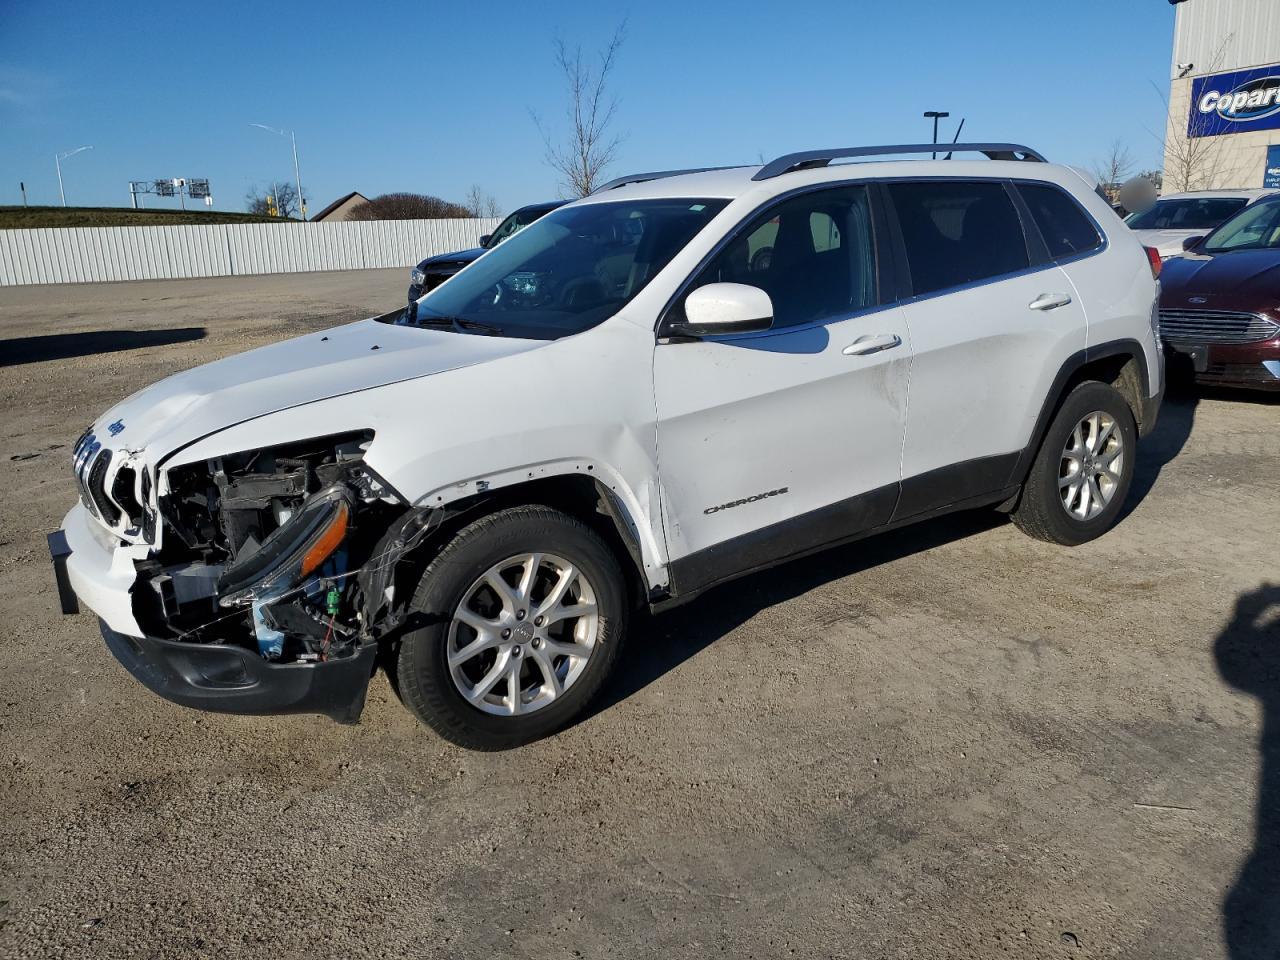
[1083, 470]
[523, 617]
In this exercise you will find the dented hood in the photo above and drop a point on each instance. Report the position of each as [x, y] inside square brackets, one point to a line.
[187, 406]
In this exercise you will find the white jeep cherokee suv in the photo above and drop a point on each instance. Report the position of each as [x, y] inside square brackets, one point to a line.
[680, 379]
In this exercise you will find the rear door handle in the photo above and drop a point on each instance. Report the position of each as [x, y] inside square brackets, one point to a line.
[872, 343]
[1049, 301]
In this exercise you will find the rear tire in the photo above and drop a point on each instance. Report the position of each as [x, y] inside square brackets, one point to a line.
[501, 658]
[1083, 470]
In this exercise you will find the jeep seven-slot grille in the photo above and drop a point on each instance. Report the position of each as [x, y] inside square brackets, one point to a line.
[96, 483]
[123, 492]
[1216, 326]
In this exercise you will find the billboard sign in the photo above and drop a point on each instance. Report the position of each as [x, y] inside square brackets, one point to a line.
[1235, 102]
[1271, 173]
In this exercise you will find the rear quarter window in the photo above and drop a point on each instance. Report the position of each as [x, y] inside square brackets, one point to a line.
[1066, 229]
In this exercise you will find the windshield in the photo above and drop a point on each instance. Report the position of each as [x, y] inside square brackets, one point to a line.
[517, 220]
[570, 270]
[1254, 228]
[1193, 213]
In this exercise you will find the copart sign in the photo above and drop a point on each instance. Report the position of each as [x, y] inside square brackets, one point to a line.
[1235, 102]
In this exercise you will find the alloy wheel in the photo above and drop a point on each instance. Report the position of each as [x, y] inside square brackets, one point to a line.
[1093, 463]
[522, 634]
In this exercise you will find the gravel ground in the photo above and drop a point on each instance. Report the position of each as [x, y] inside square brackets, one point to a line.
[950, 741]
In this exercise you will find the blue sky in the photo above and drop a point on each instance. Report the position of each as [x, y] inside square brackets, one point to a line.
[432, 97]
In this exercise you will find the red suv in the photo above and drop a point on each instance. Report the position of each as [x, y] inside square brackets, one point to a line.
[1220, 301]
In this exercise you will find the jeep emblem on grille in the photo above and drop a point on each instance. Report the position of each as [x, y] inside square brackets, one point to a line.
[115, 429]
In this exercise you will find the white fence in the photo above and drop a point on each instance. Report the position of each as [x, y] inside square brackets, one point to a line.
[94, 254]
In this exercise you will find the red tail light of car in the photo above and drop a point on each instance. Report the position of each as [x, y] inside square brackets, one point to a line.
[1153, 255]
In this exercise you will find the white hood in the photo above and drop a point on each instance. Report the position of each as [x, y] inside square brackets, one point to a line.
[187, 406]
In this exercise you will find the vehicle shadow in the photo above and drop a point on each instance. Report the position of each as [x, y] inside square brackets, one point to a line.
[1173, 429]
[63, 346]
[1248, 657]
[661, 642]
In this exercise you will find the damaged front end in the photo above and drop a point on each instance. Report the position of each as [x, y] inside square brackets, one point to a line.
[273, 580]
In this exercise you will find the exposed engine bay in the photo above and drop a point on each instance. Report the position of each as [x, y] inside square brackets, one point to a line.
[289, 550]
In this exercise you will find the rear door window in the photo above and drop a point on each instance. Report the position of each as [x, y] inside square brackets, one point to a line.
[957, 232]
[1066, 229]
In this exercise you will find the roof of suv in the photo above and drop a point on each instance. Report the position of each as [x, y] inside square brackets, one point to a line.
[1004, 160]
[733, 182]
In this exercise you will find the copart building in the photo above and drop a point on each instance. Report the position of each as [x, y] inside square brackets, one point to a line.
[1224, 98]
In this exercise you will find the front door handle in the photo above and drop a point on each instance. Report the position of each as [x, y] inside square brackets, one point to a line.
[872, 343]
[1049, 301]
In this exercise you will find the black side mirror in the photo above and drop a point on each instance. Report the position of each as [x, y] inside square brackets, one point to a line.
[484, 240]
[1190, 243]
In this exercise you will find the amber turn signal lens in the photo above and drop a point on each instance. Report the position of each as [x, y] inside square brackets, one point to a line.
[326, 543]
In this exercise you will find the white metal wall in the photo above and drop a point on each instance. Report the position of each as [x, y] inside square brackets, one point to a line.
[94, 254]
[1219, 35]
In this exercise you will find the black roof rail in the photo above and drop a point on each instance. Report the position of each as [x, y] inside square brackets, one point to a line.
[821, 158]
[646, 177]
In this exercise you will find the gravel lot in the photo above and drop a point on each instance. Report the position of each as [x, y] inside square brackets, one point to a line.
[950, 741]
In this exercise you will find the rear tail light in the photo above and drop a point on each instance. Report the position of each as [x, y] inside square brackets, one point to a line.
[1153, 257]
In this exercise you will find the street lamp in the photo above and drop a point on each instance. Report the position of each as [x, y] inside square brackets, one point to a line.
[302, 207]
[936, 114]
[57, 162]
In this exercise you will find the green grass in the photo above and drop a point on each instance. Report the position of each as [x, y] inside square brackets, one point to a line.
[12, 218]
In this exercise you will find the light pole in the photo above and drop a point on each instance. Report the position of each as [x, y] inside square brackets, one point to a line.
[936, 114]
[297, 179]
[57, 162]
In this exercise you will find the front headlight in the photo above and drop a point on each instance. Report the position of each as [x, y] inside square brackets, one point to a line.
[417, 277]
[292, 552]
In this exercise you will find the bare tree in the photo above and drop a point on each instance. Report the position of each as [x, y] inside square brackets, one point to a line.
[408, 206]
[257, 202]
[278, 200]
[480, 203]
[1113, 169]
[1193, 160]
[589, 145]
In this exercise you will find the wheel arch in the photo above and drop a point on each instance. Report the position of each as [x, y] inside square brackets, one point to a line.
[583, 492]
[1121, 364]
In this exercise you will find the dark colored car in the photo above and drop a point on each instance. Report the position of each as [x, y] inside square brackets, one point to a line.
[433, 271]
[1220, 301]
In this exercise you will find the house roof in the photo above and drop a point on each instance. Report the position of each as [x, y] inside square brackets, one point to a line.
[338, 203]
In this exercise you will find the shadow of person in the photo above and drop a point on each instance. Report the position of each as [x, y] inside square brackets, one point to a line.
[1248, 657]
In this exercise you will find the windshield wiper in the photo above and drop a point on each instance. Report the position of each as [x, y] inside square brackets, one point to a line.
[460, 324]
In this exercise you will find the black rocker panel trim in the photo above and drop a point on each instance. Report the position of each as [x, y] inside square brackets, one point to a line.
[698, 572]
[783, 540]
[938, 491]
[953, 484]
